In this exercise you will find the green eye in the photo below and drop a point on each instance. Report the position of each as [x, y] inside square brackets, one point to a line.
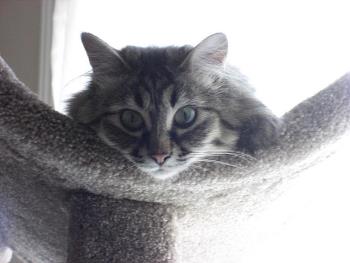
[131, 120]
[185, 117]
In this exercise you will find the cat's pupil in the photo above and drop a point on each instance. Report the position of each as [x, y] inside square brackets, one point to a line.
[186, 116]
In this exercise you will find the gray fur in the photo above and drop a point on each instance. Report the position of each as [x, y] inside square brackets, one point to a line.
[156, 82]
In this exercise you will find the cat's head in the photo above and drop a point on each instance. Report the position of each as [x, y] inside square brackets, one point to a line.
[165, 108]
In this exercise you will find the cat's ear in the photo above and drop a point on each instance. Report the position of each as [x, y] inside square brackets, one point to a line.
[210, 53]
[102, 57]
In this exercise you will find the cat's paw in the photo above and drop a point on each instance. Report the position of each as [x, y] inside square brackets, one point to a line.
[259, 133]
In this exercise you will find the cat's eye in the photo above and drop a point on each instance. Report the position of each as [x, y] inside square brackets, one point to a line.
[131, 120]
[185, 117]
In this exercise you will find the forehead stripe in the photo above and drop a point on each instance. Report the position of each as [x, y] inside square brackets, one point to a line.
[138, 99]
[173, 98]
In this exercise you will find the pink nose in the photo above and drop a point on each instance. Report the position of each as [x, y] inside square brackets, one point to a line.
[160, 158]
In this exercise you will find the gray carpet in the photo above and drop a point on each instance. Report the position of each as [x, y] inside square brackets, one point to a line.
[66, 197]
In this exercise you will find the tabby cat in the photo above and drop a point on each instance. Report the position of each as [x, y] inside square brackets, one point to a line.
[166, 108]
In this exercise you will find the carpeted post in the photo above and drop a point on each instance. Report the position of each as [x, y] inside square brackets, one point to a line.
[116, 231]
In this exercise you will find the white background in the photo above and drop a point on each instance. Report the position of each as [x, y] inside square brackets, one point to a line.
[288, 49]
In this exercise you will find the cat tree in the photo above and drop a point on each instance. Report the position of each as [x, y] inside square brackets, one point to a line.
[66, 197]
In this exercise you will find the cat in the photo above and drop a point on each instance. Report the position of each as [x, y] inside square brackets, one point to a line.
[166, 108]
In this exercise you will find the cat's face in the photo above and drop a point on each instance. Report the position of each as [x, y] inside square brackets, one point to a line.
[162, 125]
[163, 108]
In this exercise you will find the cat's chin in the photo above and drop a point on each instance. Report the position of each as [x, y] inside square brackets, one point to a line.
[163, 173]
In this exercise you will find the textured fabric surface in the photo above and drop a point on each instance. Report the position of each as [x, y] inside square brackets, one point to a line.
[45, 156]
[97, 238]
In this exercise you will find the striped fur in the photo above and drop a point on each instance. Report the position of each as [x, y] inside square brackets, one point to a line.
[156, 83]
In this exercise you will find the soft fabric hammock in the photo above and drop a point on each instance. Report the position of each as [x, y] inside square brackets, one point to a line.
[66, 197]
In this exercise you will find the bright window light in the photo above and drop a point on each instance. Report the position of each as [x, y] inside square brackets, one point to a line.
[289, 50]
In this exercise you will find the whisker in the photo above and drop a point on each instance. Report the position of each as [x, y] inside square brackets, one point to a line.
[127, 168]
[222, 163]
[197, 166]
[221, 154]
[234, 154]
[85, 74]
